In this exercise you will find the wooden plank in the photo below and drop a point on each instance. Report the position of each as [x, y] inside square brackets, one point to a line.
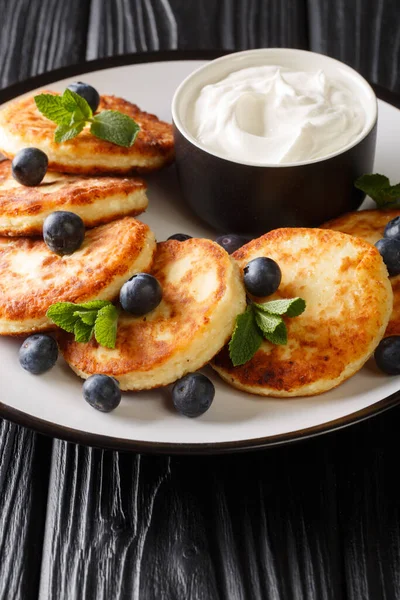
[260, 525]
[369, 509]
[39, 36]
[363, 33]
[121, 26]
[100, 511]
[24, 472]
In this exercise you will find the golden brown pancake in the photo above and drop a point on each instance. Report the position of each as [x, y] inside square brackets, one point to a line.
[97, 200]
[22, 125]
[369, 225]
[32, 278]
[348, 303]
[202, 294]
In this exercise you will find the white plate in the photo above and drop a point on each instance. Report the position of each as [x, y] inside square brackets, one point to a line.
[53, 403]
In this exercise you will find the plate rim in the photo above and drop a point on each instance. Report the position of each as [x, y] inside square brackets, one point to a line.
[77, 436]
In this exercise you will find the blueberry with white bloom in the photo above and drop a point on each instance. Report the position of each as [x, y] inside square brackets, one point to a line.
[262, 276]
[102, 392]
[88, 92]
[29, 166]
[193, 394]
[63, 232]
[38, 353]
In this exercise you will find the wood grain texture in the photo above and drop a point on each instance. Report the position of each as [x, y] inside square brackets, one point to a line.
[369, 509]
[24, 471]
[121, 26]
[40, 36]
[260, 525]
[318, 520]
[100, 510]
[362, 33]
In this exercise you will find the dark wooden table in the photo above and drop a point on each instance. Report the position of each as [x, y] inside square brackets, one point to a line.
[318, 520]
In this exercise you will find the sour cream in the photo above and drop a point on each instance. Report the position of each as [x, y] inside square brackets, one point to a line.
[274, 115]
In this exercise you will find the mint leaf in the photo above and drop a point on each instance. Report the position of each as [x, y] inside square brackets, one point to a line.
[74, 103]
[96, 316]
[105, 329]
[266, 322]
[273, 327]
[262, 320]
[379, 189]
[246, 338]
[115, 127]
[71, 112]
[86, 316]
[52, 108]
[82, 331]
[94, 304]
[291, 307]
[62, 314]
[64, 133]
[278, 336]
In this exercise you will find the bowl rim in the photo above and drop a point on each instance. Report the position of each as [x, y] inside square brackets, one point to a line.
[177, 121]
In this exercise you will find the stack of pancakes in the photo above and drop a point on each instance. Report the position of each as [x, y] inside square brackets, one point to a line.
[341, 277]
[202, 289]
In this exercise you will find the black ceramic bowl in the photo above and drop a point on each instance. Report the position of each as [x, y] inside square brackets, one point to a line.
[244, 197]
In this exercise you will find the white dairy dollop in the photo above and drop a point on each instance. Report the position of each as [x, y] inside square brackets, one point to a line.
[274, 115]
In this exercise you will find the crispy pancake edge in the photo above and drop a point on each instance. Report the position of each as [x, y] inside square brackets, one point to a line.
[22, 315]
[96, 200]
[86, 154]
[291, 378]
[160, 365]
[369, 225]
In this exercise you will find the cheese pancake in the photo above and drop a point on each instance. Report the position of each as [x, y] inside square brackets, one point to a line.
[369, 225]
[32, 278]
[96, 200]
[348, 303]
[22, 125]
[202, 294]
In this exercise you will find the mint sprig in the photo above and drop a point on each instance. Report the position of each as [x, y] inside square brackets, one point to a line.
[105, 327]
[378, 188]
[72, 113]
[262, 321]
[97, 317]
[115, 127]
[76, 105]
[52, 107]
[246, 338]
[63, 133]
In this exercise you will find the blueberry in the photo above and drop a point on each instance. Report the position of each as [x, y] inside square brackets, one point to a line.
[38, 353]
[262, 276]
[180, 237]
[389, 249]
[193, 394]
[63, 232]
[141, 294]
[88, 92]
[102, 392]
[387, 355]
[392, 229]
[29, 166]
[231, 242]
